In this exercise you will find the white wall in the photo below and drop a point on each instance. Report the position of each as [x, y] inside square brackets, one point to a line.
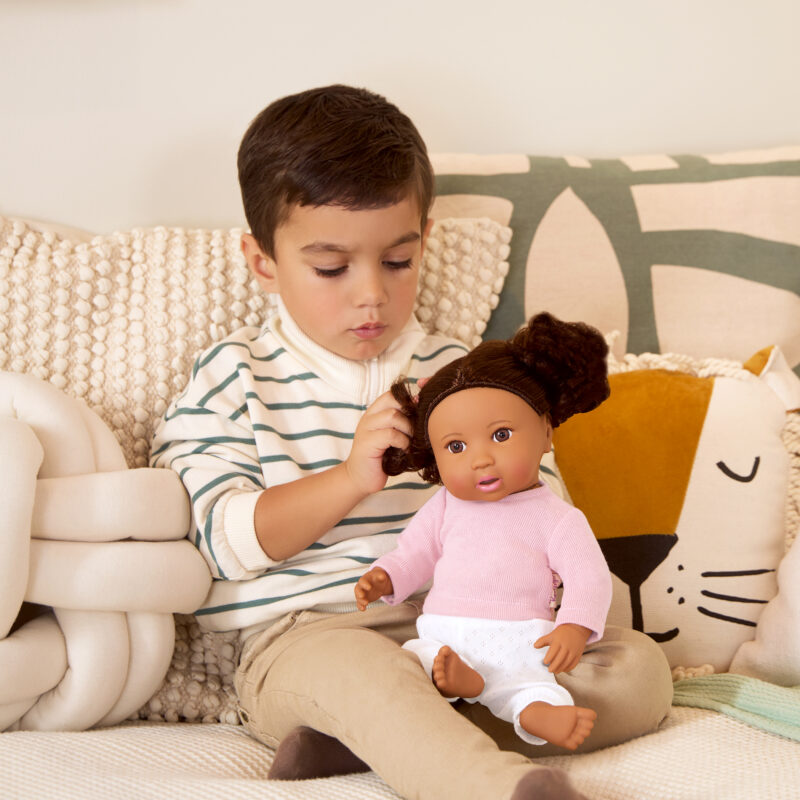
[128, 112]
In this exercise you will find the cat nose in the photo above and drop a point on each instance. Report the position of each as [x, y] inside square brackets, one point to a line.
[633, 559]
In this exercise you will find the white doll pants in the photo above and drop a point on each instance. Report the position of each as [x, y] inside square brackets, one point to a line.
[502, 652]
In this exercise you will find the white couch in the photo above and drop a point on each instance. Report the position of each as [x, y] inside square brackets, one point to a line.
[102, 696]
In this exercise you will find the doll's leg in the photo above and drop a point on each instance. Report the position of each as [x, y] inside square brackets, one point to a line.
[360, 687]
[521, 690]
[565, 726]
[541, 711]
[625, 678]
[452, 675]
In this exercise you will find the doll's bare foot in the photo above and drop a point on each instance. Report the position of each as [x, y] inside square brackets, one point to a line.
[454, 678]
[305, 753]
[565, 726]
[546, 783]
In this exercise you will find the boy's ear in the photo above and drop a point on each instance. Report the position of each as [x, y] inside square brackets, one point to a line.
[261, 265]
[428, 226]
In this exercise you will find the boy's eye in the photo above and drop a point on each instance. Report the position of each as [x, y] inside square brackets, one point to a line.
[398, 264]
[456, 446]
[331, 272]
[501, 435]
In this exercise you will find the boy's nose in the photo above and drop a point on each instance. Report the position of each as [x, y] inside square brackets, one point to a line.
[370, 289]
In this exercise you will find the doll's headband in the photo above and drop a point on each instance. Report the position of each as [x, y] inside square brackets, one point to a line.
[535, 398]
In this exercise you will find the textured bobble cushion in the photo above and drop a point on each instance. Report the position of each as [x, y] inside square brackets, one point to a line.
[694, 254]
[118, 320]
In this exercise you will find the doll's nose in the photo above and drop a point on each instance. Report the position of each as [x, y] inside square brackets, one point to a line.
[482, 459]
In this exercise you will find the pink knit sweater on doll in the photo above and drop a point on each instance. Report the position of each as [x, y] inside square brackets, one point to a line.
[495, 560]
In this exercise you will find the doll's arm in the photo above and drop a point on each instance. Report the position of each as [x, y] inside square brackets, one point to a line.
[411, 563]
[566, 643]
[575, 555]
[372, 585]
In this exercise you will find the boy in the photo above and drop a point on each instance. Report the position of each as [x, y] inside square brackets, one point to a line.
[278, 439]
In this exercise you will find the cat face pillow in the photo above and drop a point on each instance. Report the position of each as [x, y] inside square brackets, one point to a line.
[684, 480]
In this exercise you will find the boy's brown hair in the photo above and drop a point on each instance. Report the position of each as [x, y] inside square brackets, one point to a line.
[335, 145]
[558, 368]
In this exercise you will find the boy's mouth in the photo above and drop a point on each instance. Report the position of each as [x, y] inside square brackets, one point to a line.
[488, 484]
[369, 330]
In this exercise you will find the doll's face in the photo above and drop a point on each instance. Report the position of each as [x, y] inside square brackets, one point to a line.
[487, 443]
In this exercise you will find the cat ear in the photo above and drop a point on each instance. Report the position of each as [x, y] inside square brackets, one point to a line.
[771, 366]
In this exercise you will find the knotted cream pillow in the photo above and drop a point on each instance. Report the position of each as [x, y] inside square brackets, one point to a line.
[93, 563]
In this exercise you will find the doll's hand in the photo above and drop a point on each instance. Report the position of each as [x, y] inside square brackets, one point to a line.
[383, 425]
[372, 585]
[566, 643]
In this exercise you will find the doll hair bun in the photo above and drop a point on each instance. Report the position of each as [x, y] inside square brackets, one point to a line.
[568, 360]
[558, 368]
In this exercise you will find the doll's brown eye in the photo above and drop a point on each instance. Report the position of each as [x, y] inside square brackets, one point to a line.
[456, 447]
[502, 435]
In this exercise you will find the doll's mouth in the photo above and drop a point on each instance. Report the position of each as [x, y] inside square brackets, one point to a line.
[488, 484]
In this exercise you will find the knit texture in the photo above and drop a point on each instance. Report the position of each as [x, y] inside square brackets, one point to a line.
[694, 754]
[758, 703]
[496, 560]
[118, 320]
[198, 686]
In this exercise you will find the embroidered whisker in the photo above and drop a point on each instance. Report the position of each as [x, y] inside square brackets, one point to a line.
[730, 598]
[725, 618]
[733, 574]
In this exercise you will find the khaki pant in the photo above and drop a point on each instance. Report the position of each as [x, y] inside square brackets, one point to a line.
[346, 675]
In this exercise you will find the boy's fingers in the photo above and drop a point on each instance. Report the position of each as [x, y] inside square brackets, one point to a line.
[391, 423]
[382, 402]
[390, 418]
[398, 439]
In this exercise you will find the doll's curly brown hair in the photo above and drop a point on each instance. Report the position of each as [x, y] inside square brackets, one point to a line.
[558, 368]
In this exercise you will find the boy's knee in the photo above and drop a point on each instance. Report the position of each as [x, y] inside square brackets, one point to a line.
[639, 672]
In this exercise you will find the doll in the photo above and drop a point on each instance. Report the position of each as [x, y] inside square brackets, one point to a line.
[495, 540]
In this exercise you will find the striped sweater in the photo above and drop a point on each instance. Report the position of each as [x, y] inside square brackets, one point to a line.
[266, 406]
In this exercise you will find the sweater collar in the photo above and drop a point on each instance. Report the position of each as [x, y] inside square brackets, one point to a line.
[363, 381]
[523, 497]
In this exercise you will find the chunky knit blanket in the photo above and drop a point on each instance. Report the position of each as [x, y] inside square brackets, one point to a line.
[758, 703]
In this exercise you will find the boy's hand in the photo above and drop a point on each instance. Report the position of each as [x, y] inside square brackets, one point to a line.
[372, 585]
[566, 646]
[382, 426]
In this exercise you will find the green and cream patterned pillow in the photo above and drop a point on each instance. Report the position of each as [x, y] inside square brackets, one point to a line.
[690, 254]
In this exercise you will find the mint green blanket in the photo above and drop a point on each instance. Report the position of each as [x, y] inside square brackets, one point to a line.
[764, 705]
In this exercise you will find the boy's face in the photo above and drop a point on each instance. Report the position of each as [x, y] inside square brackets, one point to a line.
[487, 443]
[348, 278]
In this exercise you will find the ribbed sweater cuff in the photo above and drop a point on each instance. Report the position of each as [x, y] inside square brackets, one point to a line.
[240, 531]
